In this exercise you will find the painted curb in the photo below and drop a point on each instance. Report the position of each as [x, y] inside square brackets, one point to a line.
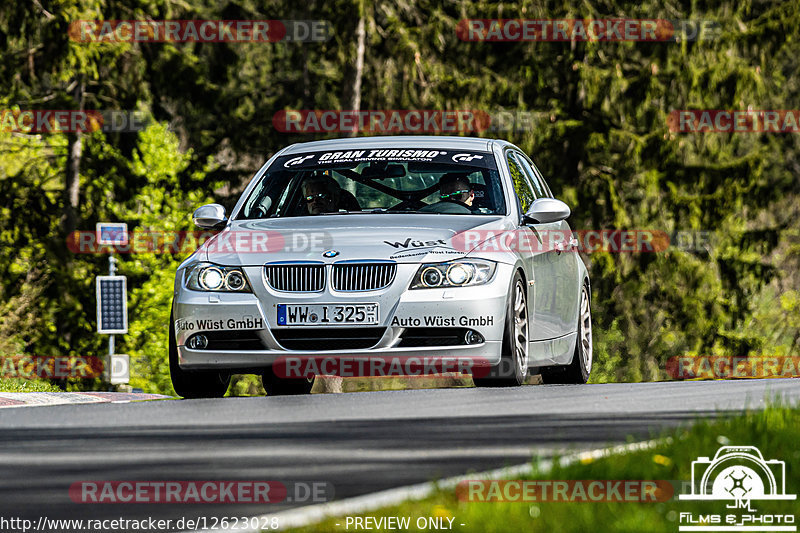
[36, 399]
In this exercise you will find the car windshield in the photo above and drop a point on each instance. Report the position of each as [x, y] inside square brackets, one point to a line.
[449, 182]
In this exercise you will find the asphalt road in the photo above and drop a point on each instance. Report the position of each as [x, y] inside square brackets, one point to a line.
[357, 443]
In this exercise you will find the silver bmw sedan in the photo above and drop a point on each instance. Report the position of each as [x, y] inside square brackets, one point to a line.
[401, 250]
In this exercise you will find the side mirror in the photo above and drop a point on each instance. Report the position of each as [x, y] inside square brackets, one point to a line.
[209, 216]
[544, 210]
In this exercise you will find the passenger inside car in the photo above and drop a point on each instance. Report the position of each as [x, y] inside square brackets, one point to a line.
[322, 194]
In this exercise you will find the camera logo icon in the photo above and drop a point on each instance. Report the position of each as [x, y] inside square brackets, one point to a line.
[738, 473]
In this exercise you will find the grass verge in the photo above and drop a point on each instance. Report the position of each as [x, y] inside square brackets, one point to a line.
[775, 431]
[27, 385]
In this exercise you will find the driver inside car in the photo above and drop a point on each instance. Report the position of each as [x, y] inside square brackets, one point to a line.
[321, 194]
[456, 195]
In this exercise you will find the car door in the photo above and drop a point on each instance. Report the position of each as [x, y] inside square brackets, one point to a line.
[539, 264]
[561, 303]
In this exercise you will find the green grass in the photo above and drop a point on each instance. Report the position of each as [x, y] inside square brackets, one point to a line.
[26, 385]
[775, 431]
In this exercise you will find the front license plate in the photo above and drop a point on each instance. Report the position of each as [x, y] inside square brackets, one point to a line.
[321, 314]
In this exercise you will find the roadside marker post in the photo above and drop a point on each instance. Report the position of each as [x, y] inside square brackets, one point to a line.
[112, 299]
[120, 369]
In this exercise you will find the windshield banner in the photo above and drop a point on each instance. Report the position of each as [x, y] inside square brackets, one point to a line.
[329, 159]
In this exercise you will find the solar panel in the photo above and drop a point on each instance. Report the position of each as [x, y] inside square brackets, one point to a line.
[112, 304]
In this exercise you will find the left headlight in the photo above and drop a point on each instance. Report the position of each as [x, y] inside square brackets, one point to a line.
[453, 274]
[216, 278]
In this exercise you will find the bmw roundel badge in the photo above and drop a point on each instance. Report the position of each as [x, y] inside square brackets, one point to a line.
[330, 253]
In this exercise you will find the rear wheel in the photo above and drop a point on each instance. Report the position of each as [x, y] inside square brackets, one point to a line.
[194, 384]
[577, 372]
[277, 386]
[513, 367]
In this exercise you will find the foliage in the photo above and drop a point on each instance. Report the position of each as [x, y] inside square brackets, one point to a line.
[27, 385]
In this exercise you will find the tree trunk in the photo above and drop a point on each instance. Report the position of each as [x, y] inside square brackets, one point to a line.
[72, 186]
[361, 35]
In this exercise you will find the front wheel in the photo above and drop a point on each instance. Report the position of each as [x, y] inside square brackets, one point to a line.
[581, 366]
[513, 367]
[198, 384]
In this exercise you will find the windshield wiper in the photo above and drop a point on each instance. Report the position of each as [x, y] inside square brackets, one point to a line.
[378, 211]
[383, 211]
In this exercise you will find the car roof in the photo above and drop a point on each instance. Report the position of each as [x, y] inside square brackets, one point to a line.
[396, 141]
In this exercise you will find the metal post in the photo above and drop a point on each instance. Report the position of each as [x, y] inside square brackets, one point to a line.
[112, 268]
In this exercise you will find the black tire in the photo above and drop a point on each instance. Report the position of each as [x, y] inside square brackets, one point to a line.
[277, 386]
[512, 370]
[193, 384]
[577, 372]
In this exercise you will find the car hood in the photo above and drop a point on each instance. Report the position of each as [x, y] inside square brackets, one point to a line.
[406, 238]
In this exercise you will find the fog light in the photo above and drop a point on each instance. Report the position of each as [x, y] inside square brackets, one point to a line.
[197, 342]
[473, 337]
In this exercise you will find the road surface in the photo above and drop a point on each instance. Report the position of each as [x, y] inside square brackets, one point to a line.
[356, 443]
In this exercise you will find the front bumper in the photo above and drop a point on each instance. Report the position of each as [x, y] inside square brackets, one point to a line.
[481, 308]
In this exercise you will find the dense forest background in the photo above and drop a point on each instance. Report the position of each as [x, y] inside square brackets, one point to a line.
[602, 140]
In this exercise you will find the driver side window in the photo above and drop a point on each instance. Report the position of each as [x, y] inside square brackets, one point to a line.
[521, 184]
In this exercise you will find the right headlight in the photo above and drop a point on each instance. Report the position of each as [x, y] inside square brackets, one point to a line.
[216, 278]
[462, 273]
